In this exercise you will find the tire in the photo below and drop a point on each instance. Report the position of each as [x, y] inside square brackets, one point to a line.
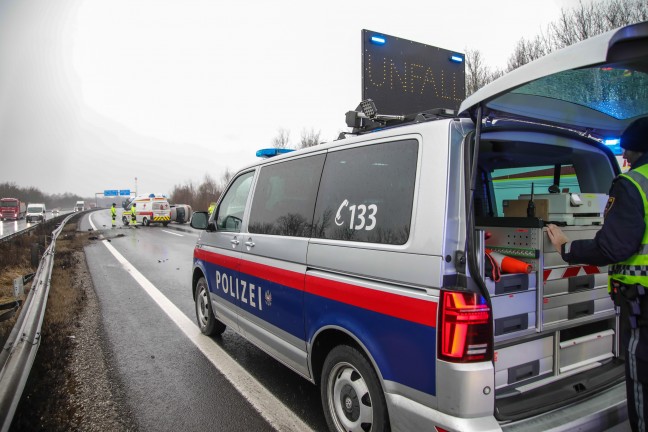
[207, 322]
[125, 220]
[352, 398]
[146, 222]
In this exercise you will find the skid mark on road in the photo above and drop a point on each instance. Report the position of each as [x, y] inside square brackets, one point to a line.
[270, 408]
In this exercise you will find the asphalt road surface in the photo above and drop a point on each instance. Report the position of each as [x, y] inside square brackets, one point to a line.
[174, 377]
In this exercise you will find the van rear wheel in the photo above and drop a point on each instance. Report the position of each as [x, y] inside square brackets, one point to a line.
[207, 322]
[146, 222]
[352, 397]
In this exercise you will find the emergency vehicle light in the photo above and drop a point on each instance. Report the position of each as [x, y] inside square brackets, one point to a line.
[269, 152]
[456, 58]
[378, 40]
[614, 144]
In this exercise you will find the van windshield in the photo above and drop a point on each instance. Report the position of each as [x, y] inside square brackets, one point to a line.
[35, 209]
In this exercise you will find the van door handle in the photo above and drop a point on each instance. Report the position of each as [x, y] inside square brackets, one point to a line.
[234, 242]
[249, 243]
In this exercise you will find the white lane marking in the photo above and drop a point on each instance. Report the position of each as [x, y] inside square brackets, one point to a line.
[169, 232]
[270, 408]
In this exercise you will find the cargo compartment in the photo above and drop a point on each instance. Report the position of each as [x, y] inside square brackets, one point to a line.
[553, 327]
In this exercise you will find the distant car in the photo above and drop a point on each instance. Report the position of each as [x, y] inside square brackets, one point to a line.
[55, 211]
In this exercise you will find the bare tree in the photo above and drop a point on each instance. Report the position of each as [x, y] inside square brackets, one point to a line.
[208, 192]
[309, 138]
[527, 50]
[282, 139]
[225, 178]
[478, 73]
[577, 24]
[184, 194]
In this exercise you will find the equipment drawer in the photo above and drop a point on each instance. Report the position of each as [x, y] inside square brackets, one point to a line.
[514, 313]
[586, 350]
[577, 305]
[575, 283]
[524, 361]
[511, 283]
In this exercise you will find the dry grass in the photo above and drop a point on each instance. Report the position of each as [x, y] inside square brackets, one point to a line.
[44, 405]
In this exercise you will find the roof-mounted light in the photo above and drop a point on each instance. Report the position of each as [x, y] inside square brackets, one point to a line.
[378, 40]
[270, 152]
[612, 141]
[456, 58]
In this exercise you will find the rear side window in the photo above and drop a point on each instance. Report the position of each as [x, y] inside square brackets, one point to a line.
[284, 198]
[366, 193]
[232, 206]
[516, 183]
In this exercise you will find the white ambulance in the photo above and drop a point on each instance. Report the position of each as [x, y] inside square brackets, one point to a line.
[152, 208]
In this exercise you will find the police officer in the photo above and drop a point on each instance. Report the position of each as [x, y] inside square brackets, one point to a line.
[113, 213]
[212, 206]
[622, 243]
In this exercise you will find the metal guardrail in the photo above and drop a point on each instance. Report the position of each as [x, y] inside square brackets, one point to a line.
[19, 352]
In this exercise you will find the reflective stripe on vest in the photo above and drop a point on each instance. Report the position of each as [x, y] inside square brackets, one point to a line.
[634, 270]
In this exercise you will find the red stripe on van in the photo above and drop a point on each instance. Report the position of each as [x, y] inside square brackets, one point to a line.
[222, 260]
[283, 277]
[398, 306]
[407, 308]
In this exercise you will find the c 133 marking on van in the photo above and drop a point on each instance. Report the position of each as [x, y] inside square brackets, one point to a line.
[249, 293]
[360, 216]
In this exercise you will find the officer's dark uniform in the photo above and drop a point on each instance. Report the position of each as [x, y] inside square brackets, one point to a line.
[619, 239]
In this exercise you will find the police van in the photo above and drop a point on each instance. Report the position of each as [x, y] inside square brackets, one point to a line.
[361, 264]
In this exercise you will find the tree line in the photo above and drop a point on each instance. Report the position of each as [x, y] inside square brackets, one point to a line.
[573, 25]
[33, 195]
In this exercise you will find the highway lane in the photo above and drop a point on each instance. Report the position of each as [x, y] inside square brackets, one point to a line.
[8, 227]
[170, 380]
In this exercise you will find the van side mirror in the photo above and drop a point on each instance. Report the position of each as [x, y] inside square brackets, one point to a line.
[200, 220]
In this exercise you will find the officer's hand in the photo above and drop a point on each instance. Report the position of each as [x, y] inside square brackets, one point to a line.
[557, 236]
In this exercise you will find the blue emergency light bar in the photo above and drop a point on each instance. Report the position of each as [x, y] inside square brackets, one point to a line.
[456, 58]
[378, 40]
[614, 144]
[269, 152]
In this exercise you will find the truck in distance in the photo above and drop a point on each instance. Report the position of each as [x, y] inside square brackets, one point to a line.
[12, 208]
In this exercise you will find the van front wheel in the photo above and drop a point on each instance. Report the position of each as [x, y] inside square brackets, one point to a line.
[207, 322]
[351, 394]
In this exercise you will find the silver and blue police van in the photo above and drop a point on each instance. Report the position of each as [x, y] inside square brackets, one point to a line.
[360, 263]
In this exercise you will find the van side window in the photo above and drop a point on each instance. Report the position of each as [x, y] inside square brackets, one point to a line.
[366, 193]
[232, 206]
[284, 198]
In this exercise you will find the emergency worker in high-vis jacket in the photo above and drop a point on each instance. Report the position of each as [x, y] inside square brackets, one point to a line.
[113, 214]
[133, 213]
[622, 244]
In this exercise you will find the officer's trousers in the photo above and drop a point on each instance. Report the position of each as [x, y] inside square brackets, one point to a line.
[635, 345]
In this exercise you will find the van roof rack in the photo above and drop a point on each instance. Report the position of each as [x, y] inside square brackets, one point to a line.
[365, 118]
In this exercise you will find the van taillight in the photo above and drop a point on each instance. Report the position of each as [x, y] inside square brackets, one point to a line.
[466, 332]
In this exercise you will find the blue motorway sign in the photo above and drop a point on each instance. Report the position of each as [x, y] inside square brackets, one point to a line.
[110, 192]
[124, 192]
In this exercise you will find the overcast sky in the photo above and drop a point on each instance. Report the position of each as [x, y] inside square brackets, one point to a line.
[96, 93]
